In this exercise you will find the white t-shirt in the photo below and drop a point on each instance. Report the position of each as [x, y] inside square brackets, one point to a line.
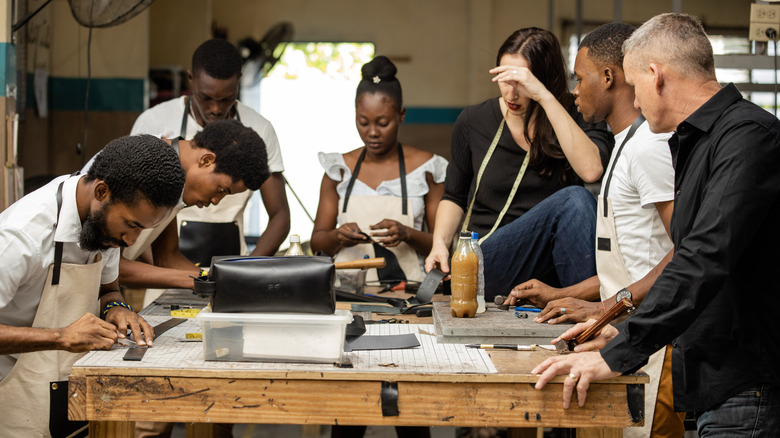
[165, 120]
[643, 176]
[27, 251]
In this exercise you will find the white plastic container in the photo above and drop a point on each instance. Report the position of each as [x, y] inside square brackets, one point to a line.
[277, 337]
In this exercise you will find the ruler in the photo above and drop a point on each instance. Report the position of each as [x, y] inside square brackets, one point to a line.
[137, 354]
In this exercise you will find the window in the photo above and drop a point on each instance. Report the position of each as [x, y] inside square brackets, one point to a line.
[309, 97]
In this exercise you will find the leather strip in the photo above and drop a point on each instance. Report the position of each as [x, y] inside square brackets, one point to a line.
[137, 354]
[635, 396]
[389, 397]
[401, 172]
[634, 126]
[55, 274]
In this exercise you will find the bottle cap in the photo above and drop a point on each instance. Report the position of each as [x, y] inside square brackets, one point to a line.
[474, 235]
[294, 238]
[465, 234]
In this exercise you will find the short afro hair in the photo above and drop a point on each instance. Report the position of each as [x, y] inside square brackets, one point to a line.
[239, 151]
[379, 77]
[140, 167]
[217, 58]
[605, 43]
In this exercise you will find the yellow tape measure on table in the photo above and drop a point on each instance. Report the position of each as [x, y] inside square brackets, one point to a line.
[185, 313]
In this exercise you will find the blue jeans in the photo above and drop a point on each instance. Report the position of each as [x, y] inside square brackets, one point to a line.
[751, 413]
[553, 242]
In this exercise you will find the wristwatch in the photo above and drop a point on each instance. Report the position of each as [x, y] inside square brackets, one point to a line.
[625, 293]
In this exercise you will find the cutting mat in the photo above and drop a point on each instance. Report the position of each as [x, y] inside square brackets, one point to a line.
[492, 327]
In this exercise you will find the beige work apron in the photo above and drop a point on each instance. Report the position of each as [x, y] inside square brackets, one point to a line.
[613, 276]
[369, 210]
[24, 393]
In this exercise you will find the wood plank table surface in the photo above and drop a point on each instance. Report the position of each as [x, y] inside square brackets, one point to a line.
[113, 397]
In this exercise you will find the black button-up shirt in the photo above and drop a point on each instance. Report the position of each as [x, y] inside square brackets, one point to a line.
[719, 296]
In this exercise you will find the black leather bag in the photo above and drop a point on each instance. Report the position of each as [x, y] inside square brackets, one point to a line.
[299, 284]
[200, 241]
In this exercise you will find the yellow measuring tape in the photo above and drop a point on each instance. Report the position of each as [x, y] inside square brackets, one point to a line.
[185, 313]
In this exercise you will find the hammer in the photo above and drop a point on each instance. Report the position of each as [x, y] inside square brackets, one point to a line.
[618, 309]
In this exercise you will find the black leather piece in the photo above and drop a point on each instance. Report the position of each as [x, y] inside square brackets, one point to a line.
[392, 272]
[59, 425]
[603, 244]
[389, 397]
[635, 395]
[200, 241]
[300, 284]
[355, 329]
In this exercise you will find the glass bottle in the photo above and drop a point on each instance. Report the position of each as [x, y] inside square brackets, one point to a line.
[465, 278]
[481, 258]
[295, 248]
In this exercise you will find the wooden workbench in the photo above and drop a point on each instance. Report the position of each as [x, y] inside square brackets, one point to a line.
[112, 398]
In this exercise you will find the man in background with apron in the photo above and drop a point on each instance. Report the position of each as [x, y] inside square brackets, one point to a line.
[59, 248]
[214, 81]
[634, 211]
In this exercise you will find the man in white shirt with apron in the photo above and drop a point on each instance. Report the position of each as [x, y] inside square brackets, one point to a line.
[214, 82]
[634, 211]
[225, 158]
[59, 248]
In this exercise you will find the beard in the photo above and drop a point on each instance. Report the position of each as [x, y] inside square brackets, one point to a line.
[94, 233]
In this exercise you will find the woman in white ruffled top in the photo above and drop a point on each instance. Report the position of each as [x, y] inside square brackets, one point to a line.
[376, 205]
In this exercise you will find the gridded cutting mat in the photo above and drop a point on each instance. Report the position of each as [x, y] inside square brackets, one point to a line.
[171, 351]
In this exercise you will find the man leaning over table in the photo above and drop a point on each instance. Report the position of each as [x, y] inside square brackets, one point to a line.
[59, 248]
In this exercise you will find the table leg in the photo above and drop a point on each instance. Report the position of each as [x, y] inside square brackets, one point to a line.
[111, 429]
[199, 430]
[599, 433]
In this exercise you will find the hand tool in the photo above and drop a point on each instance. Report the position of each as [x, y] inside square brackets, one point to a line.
[517, 347]
[618, 309]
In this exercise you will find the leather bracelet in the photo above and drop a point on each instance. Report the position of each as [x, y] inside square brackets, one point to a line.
[116, 304]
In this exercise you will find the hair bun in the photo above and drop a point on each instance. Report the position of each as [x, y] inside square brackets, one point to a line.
[380, 67]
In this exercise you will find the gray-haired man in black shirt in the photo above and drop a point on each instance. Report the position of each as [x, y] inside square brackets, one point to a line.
[716, 300]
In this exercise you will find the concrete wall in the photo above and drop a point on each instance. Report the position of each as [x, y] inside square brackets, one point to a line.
[443, 50]
[119, 67]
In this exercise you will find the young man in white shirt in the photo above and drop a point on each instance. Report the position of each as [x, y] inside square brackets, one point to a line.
[214, 82]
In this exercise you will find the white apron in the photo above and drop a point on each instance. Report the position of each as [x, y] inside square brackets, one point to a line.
[613, 276]
[24, 393]
[369, 210]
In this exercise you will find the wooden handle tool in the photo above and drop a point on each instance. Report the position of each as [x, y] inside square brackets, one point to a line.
[378, 262]
[615, 311]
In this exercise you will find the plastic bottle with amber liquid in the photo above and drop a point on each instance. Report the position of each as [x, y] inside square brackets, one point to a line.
[464, 268]
[295, 248]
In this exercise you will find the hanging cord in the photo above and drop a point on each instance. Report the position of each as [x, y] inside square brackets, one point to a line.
[81, 147]
[298, 199]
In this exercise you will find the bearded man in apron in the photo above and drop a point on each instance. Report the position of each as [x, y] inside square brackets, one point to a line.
[59, 247]
[634, 210]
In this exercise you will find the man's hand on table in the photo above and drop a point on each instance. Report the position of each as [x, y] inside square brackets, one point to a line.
[533, 292]
[576, 311]
[582, 368]
[87, 333]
